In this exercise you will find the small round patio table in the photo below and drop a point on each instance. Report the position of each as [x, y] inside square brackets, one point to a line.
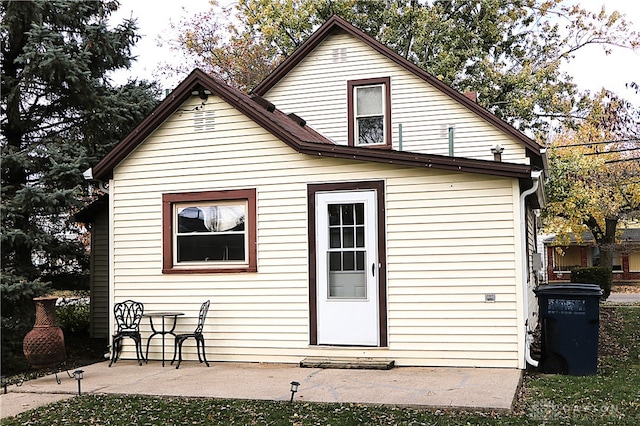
[162, 331]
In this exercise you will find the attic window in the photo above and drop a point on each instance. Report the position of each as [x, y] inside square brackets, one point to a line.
[204, 121]
[369, 109]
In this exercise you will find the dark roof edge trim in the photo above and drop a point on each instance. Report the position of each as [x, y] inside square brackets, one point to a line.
[439, 162]
[104, 169]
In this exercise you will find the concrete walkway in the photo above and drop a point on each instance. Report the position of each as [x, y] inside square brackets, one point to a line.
[624, 298]
[481, 388]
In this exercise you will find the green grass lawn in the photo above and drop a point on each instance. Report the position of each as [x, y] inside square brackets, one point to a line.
[612, 397]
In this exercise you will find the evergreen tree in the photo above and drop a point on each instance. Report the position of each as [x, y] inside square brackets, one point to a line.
[60, 113]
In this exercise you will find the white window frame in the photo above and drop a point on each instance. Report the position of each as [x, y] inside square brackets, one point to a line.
[358, 116]
[353, 86]
[177, 207]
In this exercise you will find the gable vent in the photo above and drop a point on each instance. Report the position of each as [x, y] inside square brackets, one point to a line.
[339, 55]
[204, 121]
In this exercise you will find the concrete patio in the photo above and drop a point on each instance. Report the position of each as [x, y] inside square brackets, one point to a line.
[470, 388]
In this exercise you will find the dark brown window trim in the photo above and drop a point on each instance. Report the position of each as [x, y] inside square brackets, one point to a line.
[351, 84]
[378, 186]
[168, 200]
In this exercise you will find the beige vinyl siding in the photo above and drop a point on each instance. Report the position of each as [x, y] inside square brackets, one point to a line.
[99, 279]
[316, 90]
[567, 258]
[450, 240]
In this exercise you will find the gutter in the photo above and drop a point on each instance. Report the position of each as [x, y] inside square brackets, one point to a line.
[535, 176]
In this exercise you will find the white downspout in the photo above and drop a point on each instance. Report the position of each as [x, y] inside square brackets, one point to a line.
[523, 230]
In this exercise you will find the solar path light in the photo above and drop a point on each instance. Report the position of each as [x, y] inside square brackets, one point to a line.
[294, 389]
[78, 376]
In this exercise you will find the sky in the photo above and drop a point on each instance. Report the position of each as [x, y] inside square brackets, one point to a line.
[591, 68]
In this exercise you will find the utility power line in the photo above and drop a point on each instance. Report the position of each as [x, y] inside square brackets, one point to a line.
[595, 143]
[611, 152]
[622, 160]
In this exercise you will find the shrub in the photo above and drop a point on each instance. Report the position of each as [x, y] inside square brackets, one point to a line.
[18, 314]
[600, 275]
[73, 315]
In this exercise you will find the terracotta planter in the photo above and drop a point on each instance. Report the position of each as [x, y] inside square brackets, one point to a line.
[44, 346]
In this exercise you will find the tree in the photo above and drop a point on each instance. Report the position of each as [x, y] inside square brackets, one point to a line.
[595, 176]
[510, 52]
[60, 113]
[212, 42]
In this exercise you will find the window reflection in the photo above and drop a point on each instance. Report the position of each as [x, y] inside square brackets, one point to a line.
[211, 233]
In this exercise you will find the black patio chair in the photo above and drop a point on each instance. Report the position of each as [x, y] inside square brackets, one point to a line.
[128, 315]
[197, 334]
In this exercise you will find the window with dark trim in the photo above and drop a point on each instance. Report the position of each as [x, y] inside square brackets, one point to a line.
[213, 231]
[369, 112]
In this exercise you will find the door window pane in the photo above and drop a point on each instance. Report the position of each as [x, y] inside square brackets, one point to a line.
[334, 238]
[360, 236]
[360, 261]
[347, 214]
[335, 261]
[360, 214]
[347, 276]
[347, 285]
[334, 214]
[348, 261]
[347, 237]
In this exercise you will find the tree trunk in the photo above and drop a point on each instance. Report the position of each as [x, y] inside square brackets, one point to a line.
[605, 240]
[607, 243]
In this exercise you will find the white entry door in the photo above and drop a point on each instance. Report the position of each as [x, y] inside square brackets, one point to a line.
[347, 268]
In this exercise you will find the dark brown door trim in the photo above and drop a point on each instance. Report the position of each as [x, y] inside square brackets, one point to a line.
[378, 186]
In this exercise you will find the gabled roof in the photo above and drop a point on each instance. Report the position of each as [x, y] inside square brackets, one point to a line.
[288, 128]
[293, 131]
[336, 24]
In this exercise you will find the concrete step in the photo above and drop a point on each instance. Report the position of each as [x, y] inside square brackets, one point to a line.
[348, 363]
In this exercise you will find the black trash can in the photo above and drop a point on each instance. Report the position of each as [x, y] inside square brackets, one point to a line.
[570, 319]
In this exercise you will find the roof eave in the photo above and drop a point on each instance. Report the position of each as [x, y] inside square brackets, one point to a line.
[403, 158]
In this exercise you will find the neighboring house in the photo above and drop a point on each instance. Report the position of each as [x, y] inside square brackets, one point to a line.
[351, 206]
[626, 259]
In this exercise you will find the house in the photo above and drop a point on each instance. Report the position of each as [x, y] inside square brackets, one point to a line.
[583, 252]
[351, 206]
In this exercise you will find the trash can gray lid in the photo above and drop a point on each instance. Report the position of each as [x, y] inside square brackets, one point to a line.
[570, 288]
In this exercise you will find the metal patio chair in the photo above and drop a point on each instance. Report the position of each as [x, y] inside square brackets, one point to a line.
[197, 335]
[128, 315]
